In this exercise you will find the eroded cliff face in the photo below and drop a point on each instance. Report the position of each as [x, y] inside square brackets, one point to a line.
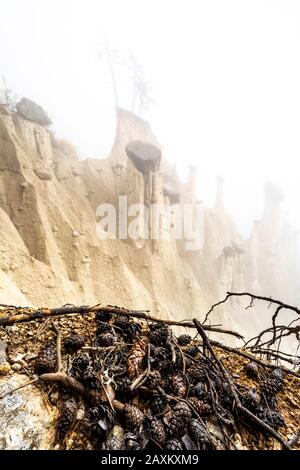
[50, 253]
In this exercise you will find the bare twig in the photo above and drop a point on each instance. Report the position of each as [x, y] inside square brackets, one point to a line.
[21, 317]
[237, 403]
[19, 388]
[58, 346]
[253, 358]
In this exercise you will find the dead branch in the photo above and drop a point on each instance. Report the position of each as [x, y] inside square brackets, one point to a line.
[19, 315]
[239, 407]
[252, 297]
[276, 355]
[277, 332]
[253, 358]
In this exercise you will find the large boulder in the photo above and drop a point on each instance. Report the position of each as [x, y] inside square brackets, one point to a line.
[145, 157]
[32, 111]
[26, 420]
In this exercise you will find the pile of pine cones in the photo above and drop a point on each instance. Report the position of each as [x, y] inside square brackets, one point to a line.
[147, 389]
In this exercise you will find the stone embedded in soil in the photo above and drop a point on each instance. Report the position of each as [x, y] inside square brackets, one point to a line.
[3, 347]
[26, 422]
[4, 368]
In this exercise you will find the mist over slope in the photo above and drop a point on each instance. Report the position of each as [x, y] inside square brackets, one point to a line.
[50, 253]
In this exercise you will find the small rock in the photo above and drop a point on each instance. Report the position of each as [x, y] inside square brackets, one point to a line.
[4, 368]
[16, 358]
[14, 266]
[69, 443]
[50, 286]
[235, 376]
[77, 172]
[16, 367]
[80, 414]
[43, 174]
[54, 397]
[26, 422]
[30, 356]
[75, 234]
[3, 347]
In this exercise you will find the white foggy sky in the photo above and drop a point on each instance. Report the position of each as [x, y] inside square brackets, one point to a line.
[225, 77]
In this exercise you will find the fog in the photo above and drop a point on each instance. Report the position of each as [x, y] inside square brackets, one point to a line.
[224, 77]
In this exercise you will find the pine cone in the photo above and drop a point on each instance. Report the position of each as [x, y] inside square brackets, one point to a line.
[132, 332]
[192, 350]
[271, 417]
[154, 380]
[103, 327]
[103, 316]
[79, 365]
[73, 343]
[199, 435]
[46, 360]
[200, 406]
[155, 430]
[161, 360]
[123, 390]
[174, 444]
[252, 370]
[158, 405]
[197, 373]
[90, 379]
[179, 362]
[129, 330]
[131, 441]
[159, 354]
[251, 400]
[218, 382]
[121, 321]
[166, 368]
[159, 334]
[270, 387]
[101, 421]
[199, 391]
[113, 443]
[184, 340]
[178, 420]
[278, 374]
[136, 356]
[66, 419]
[133, 417]
[196, 430]
[179, 385]
[106, 340]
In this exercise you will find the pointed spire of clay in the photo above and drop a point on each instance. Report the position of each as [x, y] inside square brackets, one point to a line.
[219, 204]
